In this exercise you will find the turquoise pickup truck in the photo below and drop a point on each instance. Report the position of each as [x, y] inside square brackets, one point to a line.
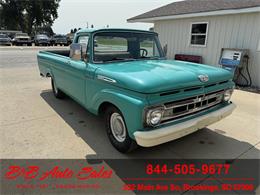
[145, 99]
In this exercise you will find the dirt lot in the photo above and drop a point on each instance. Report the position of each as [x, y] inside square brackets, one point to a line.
[36, 125]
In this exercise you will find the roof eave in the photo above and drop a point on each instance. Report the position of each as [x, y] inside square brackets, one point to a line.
[210, 13]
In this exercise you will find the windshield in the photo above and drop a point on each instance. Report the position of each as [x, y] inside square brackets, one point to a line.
[123, 46]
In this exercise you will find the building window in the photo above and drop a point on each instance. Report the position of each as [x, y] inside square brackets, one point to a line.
[199, 32]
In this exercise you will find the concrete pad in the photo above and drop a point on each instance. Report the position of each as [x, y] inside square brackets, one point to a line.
[23, 106]
[244, 123]
[207, 144]
[38, 139]
[242, 171]
[252, 153]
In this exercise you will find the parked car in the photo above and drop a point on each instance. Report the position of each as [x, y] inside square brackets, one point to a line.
[41, 39]
[22, 39]
[144, 98]
[5, 40]
[70, 38]
[59, 40]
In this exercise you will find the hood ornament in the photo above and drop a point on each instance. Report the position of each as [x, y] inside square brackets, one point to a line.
[203, 78]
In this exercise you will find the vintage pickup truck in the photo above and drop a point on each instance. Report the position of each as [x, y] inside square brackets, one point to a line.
[145, 99]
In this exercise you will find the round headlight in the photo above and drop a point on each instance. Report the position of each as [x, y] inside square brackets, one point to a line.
[227, 95]
[154, 117]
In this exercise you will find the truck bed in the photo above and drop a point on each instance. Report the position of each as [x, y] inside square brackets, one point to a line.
[64, 52]
[49, 58]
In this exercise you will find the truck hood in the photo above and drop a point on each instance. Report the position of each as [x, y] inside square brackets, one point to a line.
[152, 76]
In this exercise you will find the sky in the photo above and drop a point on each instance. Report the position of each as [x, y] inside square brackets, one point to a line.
[79, 13]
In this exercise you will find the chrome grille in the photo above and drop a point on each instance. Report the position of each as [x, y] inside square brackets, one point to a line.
[191, 105]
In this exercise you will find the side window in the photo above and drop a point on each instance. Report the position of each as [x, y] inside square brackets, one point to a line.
[83, 39]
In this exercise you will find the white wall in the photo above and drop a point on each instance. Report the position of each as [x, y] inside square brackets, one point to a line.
[228, 31]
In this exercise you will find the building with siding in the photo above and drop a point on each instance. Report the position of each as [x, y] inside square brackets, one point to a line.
[204, 27]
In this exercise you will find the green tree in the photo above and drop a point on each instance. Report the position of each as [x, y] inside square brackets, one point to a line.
[41, 13]
[27, 15]
[12, 14]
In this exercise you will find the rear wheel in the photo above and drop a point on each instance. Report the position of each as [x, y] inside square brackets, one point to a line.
[56, 91]
[117, 131]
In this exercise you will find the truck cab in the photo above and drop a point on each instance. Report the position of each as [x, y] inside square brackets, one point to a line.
[145, 99]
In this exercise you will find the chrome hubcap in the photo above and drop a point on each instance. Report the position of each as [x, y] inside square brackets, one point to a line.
[117, 126]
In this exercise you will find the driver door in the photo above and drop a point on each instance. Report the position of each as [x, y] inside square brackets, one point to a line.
[77, 73]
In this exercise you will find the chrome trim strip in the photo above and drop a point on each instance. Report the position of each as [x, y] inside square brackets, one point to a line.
[107, 79]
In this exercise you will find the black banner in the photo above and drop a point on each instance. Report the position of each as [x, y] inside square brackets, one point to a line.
[168, 176]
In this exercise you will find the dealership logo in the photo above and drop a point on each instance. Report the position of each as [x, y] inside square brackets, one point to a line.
[203, 78]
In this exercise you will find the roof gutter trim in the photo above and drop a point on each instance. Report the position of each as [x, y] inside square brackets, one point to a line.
[210, 13]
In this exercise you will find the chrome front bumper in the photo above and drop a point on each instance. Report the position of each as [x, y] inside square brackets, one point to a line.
[169, 133]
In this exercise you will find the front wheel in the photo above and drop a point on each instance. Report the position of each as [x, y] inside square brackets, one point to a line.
[117, 131]
[56, 91]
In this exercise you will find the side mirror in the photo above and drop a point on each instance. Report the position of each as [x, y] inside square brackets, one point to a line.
[78, 51]
[75, 51]
[165, 48]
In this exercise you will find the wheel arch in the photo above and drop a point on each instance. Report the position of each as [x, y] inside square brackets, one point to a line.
[48, 74]
[126, 104]
[104, 106]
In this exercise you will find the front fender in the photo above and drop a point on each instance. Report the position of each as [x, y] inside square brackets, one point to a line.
[130, 106]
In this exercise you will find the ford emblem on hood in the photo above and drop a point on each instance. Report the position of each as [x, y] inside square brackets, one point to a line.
[203, 78]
